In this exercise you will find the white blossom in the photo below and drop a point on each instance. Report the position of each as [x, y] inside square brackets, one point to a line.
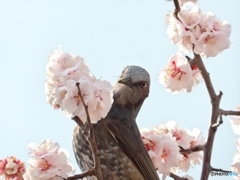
[64, 70]
[48, 162]
[178, 76]
[235, 123]
[11, 168]
[201, 33]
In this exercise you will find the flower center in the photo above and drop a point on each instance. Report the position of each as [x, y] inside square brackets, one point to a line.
[148, 144]
[44, 165]
[164, 155]
[176, 72]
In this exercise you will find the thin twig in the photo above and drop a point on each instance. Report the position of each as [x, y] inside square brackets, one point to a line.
[84, 127]
[191, 150]
[96, 170]
[78, 121]
[229, 113]
[177, 9]
[175, 177]
[83, 175]
[220, 170]
[93, 144]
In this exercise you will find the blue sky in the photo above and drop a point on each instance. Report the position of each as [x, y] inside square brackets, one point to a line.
[109, 35]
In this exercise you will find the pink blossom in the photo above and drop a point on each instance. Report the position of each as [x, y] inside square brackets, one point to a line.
[214, 36]
[211, 44]
[62, 67]
[162, 149]
[12, 168]
[64, 70]
[176, 30]
[44, 149]
[3, 163]
[48, 162]
[72, 102]
[238, 144]
[235, 167]
[204, 32]
[179, 34]
[168, 155]
[100, 105]
[178, 76]
[152, 142]
[190, 18]
[183, 137]
[235, 123]
[193, 158]
[163, 142]
[210, 21]
[65, 64]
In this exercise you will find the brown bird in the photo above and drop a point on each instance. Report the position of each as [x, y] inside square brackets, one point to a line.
[123, 155]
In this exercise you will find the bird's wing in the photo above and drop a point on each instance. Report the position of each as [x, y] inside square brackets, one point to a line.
[125, 131]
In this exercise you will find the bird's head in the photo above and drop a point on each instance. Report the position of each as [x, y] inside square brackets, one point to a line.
[133, 86]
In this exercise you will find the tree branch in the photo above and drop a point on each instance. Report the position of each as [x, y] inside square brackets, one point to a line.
[177, 9]
[199, 63]
[84, 127]
[191, 150]
[175, 177]
[96, 170]
[220, 170]
[229, 113]
[215, 100]
[83, 175]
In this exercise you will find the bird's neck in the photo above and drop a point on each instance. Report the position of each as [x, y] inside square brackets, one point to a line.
[126, 96]
[128, 108]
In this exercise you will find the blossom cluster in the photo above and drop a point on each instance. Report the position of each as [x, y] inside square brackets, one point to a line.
[201, 33]
[235, 123]
[48, 162]
[12, 168]
[163, 142]
[64, 70]
[235, 167]
[178, 75]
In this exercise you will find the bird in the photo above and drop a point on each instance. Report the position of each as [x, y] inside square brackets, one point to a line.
[123, 155]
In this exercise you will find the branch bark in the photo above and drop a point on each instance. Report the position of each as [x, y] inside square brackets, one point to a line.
[177, 9]
[191, 150]
[229, 113]
[96, 170]
[175, 177]
[215, 101]
[220, 170]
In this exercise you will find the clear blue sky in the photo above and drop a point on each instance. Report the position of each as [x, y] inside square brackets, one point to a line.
[109, 35]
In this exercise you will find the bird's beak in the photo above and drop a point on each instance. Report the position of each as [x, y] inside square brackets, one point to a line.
[126, 81]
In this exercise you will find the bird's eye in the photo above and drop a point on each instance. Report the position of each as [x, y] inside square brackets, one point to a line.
[144, 84]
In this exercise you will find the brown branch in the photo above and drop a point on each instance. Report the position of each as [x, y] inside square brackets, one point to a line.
[84, 127]
[215, 101]
[229, 113]
[175, 177]
[96, 170]
[199, 63]
[83, 175]
[177, 9]
[191, 150]
[220, 170]
[225, 113]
